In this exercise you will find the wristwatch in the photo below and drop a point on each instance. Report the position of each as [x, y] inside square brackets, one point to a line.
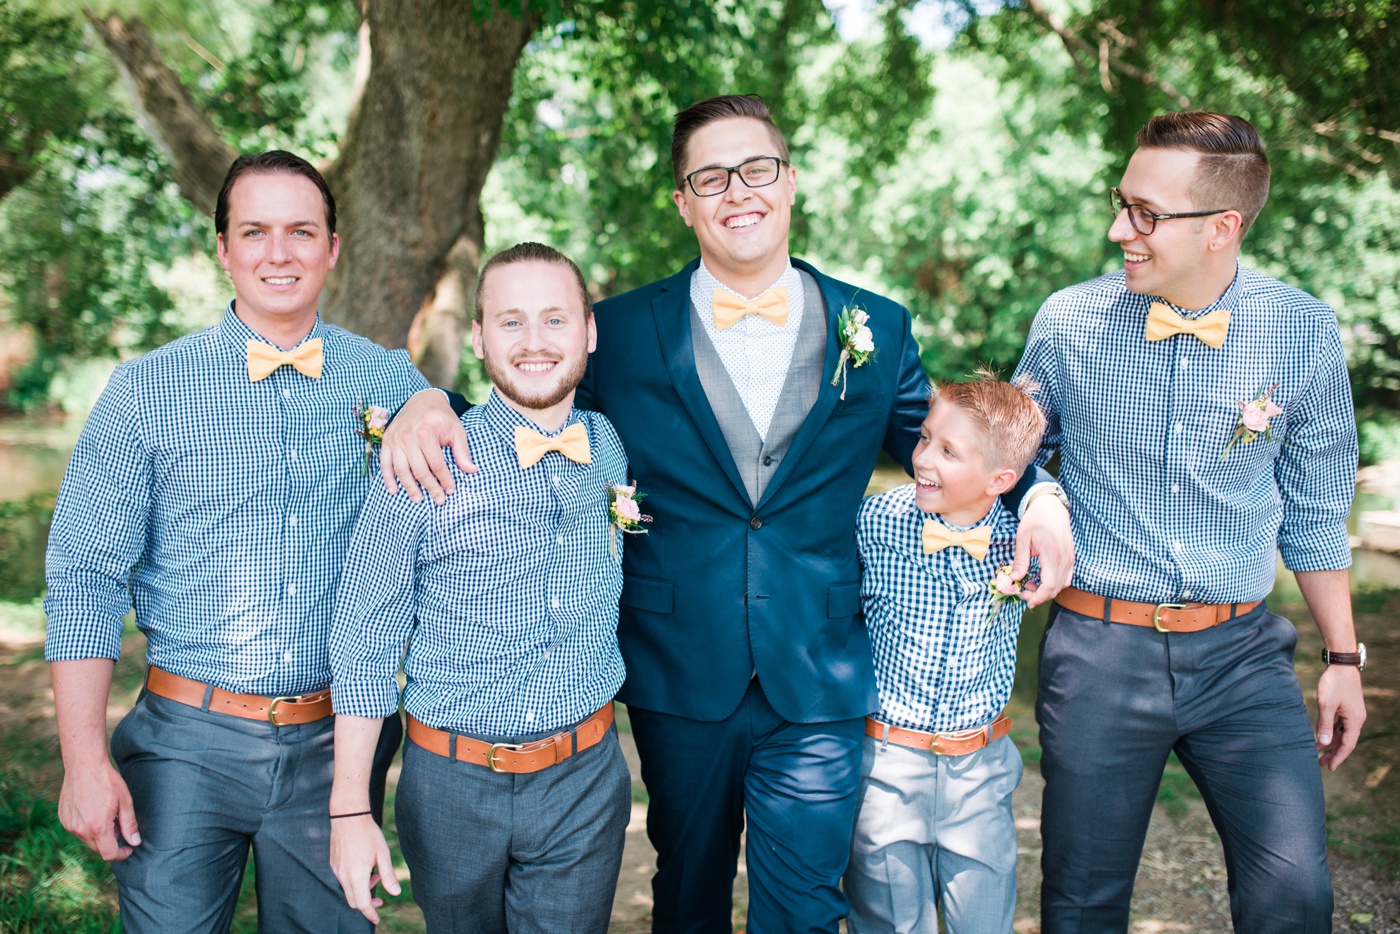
[1044, 488]
[1357, 658]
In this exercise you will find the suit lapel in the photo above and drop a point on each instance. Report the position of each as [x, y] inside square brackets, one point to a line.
[827, 394]
[671, 311]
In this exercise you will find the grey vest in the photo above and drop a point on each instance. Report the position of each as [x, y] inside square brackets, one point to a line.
[756, 458]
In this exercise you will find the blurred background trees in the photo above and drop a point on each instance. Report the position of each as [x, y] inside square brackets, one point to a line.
[951, 153]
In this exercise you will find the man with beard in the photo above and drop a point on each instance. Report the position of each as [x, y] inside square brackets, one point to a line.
[515, 796]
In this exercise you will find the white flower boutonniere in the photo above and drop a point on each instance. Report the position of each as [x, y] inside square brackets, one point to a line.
[857, 342]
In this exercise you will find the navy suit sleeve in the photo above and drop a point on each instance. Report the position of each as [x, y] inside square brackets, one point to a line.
[910, 402]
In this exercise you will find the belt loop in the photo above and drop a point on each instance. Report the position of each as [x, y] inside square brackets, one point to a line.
[208, 696]
[884, 737]
[1107, 609]
[452, 747]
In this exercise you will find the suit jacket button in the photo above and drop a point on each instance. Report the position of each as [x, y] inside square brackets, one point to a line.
[768, 460]
[756, 523]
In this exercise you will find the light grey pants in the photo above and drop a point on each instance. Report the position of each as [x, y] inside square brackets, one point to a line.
[934, 830]
[528, 854]
[206, 787]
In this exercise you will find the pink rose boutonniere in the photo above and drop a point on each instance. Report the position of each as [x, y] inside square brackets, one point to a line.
[372, 420]
[1254, 420]
[856, 339]
[1004, 589]
[624, 513]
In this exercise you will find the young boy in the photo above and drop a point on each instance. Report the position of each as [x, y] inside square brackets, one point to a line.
[935, 821]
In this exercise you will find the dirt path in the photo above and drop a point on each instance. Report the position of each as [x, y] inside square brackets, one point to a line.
[1180, 887]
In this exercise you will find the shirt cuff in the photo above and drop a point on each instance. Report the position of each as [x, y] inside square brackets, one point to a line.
[368, 699]
[1329, 552]
[1040, 489]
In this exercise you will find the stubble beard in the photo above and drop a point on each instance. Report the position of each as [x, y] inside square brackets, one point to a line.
[503, 379]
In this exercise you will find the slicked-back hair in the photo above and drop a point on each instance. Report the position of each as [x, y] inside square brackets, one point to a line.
[1008, 421]
[527, 252]
[1234, 171]
[272, 162]
[724, 107]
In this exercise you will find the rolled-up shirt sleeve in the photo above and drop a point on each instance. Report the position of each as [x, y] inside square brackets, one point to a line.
[98, 533]
[1316, 467]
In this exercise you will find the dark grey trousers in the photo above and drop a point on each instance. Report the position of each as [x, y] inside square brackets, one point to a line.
[528, 854]
[1114, 701]
[206, 787]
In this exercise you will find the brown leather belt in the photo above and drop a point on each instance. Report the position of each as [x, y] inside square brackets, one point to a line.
[1163, 617]
[279, 711]
[517, 759]
[957, 743]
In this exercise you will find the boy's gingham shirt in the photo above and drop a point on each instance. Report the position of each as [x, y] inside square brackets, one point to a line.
[506, 594]
[939, 665]
[756, 353]
[1140, 427]
[222, 508]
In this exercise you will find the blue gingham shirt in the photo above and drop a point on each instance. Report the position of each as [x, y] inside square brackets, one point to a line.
[220, 507]
[506, 594]
[939, 664]
[1140, 427]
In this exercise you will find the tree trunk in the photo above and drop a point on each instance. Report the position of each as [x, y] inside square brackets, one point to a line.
[412, 163]
[411, 169]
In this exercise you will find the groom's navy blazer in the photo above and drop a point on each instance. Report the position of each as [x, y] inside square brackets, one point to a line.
[720, 589]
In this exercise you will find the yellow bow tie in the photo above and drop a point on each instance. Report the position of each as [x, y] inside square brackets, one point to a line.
[572, 442]
[938, 536]
[729, 308]
[1210, 329]
[264, 359]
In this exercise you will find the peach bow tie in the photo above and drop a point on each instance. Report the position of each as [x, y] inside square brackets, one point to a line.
[938, 536]
[572, 442]
[1163, 322]
[729, 308]
[264, 359]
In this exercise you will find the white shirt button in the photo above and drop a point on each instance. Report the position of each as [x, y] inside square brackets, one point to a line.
[554, 602]
[556, 479]
[1176, 487]
[286, 394]
[292, 454]
[291, 520]
[1185, 363]
[1186, 595]
[287, 656]
[1176, 546]
[529, 716]
[291, 590]
[559, 540]
[1177, 427]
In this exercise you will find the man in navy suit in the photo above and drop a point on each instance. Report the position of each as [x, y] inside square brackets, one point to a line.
[749, 670]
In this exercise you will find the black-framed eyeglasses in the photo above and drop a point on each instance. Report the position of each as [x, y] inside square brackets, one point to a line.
[1143, 219]
[755, 173]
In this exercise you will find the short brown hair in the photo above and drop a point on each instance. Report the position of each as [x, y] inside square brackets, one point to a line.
[1009, 422]
[272, 162]
[525, 253]
[1234, 171]
[724, 107]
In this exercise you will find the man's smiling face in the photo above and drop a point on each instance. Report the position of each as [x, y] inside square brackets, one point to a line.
[277, 249]
[1169, 261]
[743, 232]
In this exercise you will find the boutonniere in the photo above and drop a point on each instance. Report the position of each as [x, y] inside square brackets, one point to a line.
[1004, 589]
[624, 513]
[371, 419]
[857, 342]
[1254, 420]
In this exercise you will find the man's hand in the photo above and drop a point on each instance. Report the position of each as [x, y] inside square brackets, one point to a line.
[1045, 533]
[357, 848]
[412, 448]
[95, 806]
[1339, 706]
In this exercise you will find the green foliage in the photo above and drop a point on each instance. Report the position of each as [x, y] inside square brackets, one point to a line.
[24, 528]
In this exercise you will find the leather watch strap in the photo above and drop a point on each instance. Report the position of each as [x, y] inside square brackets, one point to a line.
[1357, 658]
